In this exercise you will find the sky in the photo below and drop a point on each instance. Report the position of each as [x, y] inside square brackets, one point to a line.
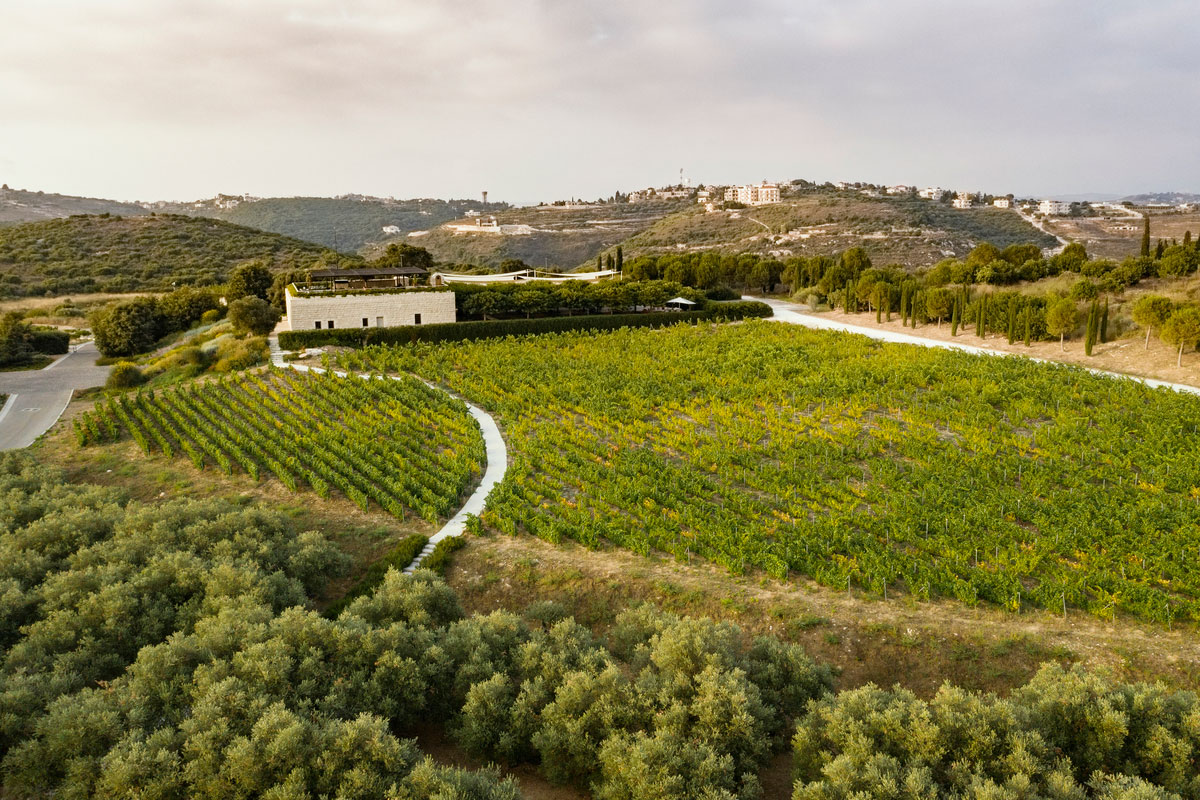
[550, 99]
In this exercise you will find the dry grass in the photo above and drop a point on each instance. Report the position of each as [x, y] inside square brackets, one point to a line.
[902, 641]
[98, 298]
[1119, 237]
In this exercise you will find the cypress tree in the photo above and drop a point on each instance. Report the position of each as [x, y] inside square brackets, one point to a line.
[878, 307]
[1146, 236]
[598, 264]
[1158, 250]
[887, 304]
[980, 316]
[608, 262]
[954, 319]
[1028, 312]
[1092, 326]
[1012, 319]
[904, 305]
[620, 259]
[1104, 323]
[1187, 238]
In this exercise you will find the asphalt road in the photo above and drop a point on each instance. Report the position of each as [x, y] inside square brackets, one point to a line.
[37, 398]
[793, 315]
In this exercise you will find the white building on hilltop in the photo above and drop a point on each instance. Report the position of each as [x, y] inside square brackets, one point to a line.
[962, 200]
[1002, 202]
[1055, 208]
[753, 194]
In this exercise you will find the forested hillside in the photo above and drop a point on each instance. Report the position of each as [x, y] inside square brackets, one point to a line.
[121, 254]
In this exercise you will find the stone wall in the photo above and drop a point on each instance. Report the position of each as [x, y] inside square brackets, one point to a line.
[382, 309]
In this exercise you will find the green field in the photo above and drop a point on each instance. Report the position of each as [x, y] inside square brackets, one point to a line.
[864, 465]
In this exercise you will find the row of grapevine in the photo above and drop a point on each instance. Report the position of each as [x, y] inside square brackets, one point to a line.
[394, 442]
[883, 467]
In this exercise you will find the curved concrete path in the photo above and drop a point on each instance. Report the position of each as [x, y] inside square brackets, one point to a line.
[787, 312]
[38, 397]
[494, 447]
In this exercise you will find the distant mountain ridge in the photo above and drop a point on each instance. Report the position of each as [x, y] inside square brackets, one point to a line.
[346, 224]
[1174, 198]
[19, 205]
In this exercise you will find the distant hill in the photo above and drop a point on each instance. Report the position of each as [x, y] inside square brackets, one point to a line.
[562, 236]
[1174, 198]
[904, 230]
[346, 224]
[104, 253]
[17, 206]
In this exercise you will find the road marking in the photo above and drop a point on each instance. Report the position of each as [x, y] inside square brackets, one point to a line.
[31, 409]
[12, 400]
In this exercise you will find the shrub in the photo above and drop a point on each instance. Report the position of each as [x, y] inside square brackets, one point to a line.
[210, 316]
[439, 559]
[127, 328]
[397, 558]
[49, 341]
[235, 354]
[253, 315]
[124, 375]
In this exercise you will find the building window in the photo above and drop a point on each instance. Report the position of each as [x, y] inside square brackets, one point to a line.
[416, 319]
[379, 322]
[318, 324]
[364, 322]
[330, 326]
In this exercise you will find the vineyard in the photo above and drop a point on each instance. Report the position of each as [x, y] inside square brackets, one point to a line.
[886, 468]
[397, 443]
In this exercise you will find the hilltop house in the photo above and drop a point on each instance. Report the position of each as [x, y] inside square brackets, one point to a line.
[753, 194]
[1055, 208]
[962, 200]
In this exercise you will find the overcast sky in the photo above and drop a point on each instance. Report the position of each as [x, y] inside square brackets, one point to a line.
[537, 100]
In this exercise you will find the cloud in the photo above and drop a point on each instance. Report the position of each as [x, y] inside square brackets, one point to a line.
[554, 99]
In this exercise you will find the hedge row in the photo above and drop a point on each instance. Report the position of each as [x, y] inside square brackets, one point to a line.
[439, 559]
[493, 329]
[50, 342]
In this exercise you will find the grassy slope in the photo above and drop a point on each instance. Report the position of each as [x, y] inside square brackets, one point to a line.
[121, 254]
[911, 232]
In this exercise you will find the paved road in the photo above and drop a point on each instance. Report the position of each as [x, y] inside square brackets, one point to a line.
[792, 313]
[37, 398]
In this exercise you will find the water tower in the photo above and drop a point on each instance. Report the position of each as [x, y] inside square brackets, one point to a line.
[485, 197]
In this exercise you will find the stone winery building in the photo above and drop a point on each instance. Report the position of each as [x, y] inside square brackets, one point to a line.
[389, 297]
[367, 298]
